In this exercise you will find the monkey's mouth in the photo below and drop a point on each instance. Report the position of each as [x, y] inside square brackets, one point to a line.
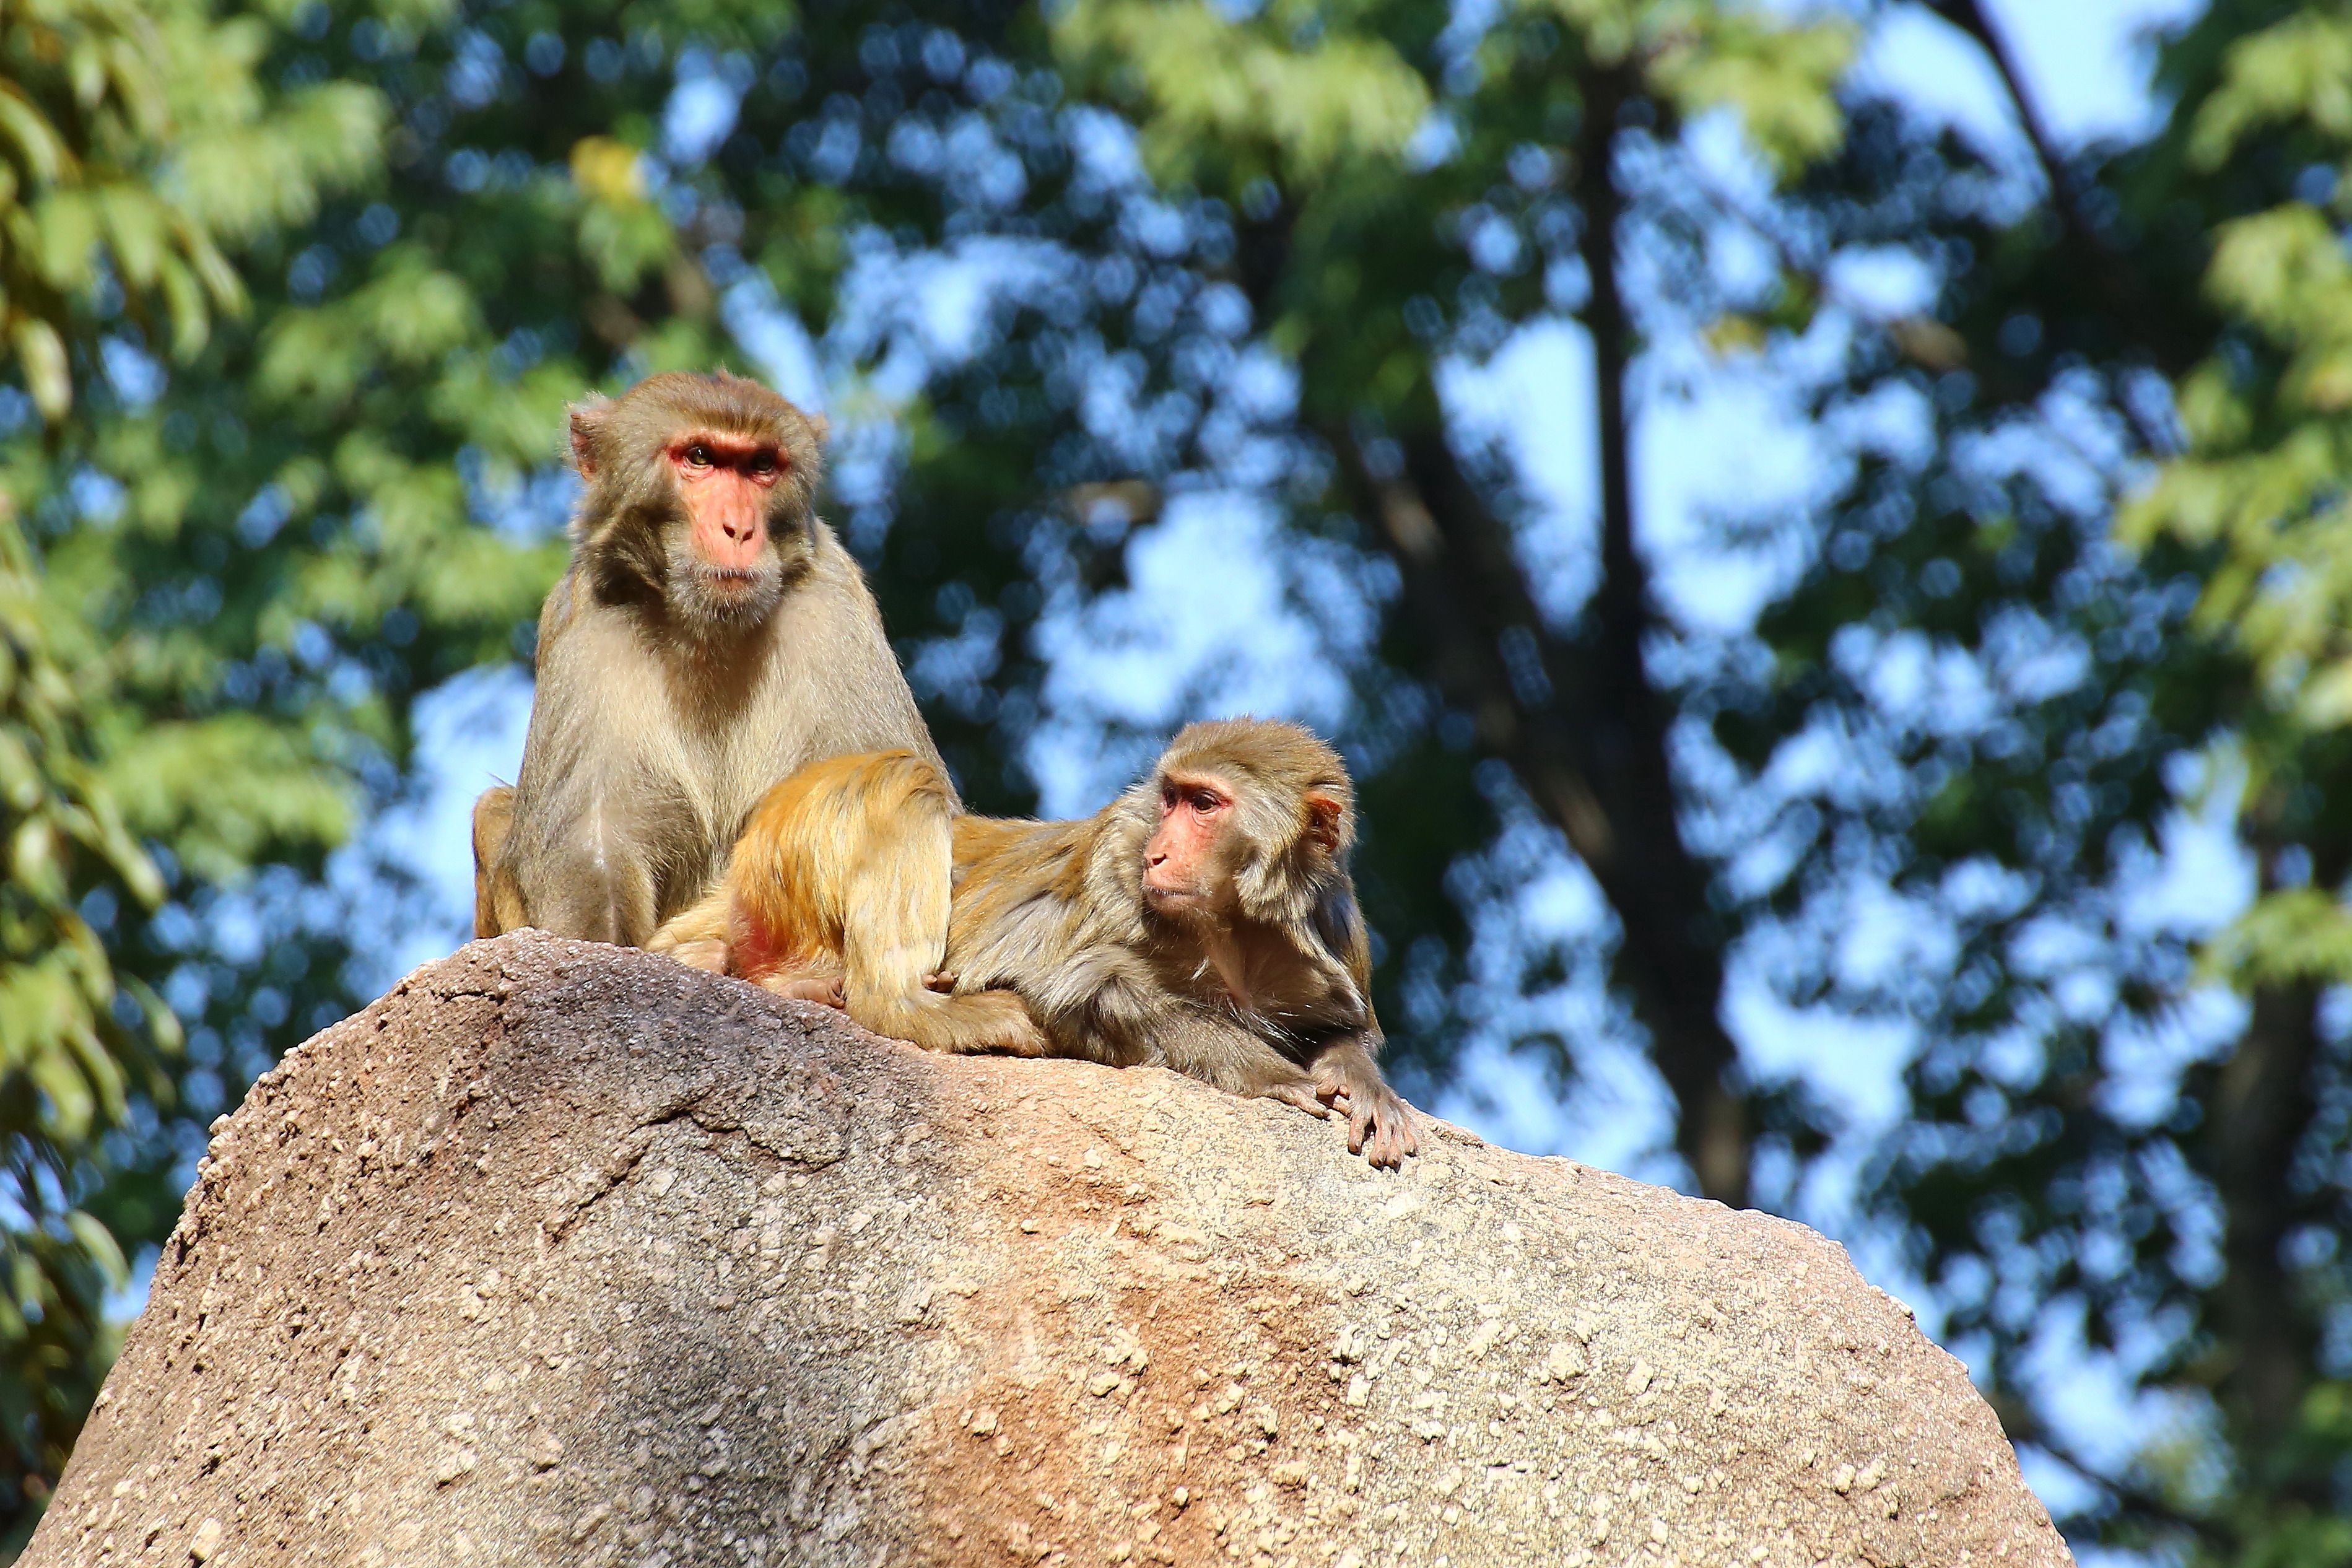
[724, 600]
[734, 588]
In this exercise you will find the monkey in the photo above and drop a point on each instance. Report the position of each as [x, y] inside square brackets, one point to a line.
[1203, 921]
[709, 636]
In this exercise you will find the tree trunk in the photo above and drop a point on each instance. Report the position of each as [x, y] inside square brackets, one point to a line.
[2261, 1110]
[1577, 719]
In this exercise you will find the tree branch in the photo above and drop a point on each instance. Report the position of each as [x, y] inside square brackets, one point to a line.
[2023, 1427]
[1968, 16]
[1580, 722]
[1670, 928]
[2125, 290]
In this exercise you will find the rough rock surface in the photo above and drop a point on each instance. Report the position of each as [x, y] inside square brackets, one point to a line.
[560, 1254]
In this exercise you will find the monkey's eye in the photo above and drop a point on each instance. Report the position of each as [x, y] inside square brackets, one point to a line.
[763, 463]
[697, 456]
[1204, 802]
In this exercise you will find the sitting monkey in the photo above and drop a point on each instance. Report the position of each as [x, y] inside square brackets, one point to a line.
[1205, 921]
[710, 636]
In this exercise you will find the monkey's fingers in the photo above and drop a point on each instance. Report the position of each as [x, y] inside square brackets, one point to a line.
[1300, 1095]
[938, 980]
[821, 990]
[1380, 1128]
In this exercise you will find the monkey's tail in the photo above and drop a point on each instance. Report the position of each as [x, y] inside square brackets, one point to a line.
[980, 1021]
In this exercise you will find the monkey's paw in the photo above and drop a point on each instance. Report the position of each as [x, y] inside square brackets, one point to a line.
[708, 954]
[1379, 1124]
[1380, 1128]
[1300, 1095]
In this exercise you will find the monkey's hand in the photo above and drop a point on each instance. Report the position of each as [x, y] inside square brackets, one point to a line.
[1379, 1127]
[1379, 1124]
[940, 980]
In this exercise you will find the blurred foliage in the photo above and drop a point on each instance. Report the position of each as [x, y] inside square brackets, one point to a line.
[296, 294]
[139, 141]
[2260, 136]
[2267, 421]
[135, 141]
[2125, 607]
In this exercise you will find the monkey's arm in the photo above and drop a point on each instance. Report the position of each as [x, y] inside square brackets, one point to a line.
[1379, 1124]
[1133, 1022]
[831, 686]
[595, 820]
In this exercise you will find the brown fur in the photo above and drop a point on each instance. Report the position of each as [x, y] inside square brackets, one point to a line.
[496, 908]
[1261, 987]
[672, 694]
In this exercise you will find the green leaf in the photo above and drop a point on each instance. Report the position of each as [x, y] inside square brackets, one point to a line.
[41, 353]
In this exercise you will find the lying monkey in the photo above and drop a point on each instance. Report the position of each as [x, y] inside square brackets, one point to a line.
[1205, 921]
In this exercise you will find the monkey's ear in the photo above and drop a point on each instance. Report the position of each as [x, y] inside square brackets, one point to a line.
[586, 420]
[1324, 816]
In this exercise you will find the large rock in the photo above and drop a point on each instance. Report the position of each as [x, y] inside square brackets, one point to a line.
[560, 1254]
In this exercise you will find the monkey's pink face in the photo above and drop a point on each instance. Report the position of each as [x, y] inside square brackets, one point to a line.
[1193, 814]
[723, 481]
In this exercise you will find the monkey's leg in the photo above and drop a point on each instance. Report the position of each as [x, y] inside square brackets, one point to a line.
[597, 889]
[698, 936]
[1379, 1124]
[493, 820]
[895, 892]
[846, 869]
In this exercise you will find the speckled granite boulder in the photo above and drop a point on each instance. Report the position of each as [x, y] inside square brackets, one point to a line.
[560, 1254]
